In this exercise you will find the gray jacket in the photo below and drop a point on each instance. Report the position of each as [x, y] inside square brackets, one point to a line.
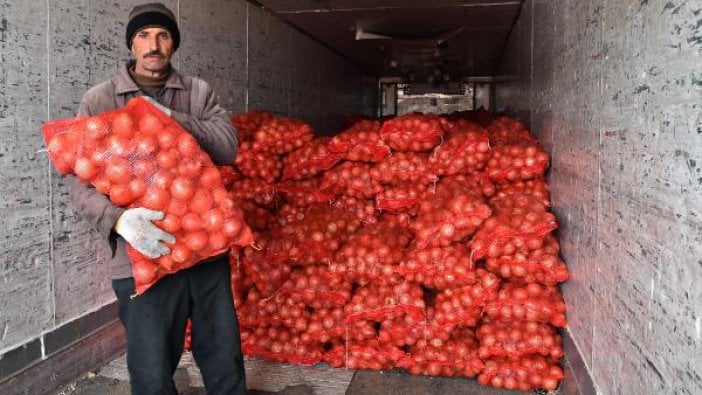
[195, 107]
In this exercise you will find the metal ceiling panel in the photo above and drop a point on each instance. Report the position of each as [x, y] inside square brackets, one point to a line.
[415, 39]
[338, 5]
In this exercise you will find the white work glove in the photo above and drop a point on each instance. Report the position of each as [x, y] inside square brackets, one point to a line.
[135, 226]
[158, 105]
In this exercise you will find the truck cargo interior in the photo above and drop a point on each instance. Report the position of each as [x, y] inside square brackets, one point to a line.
[609, 91]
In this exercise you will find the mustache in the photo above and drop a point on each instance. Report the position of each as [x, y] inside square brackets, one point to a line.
[153, 53]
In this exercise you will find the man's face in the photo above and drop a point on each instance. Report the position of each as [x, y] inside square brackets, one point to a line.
[152, 48]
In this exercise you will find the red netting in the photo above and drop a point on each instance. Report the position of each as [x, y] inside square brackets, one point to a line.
[328, 324]
[229, 175]
[282, 135]
[531, 302]
[537, 187]
[266, 269]
[363, 209]
[541, 265]
[465, 151]
[402, 168]
[254, 164]
[239, 282]
[372, 254]
[455, 357]
[445, 218]
[506, 130]
[316, 233]
[256, 190]
[351, 179]
[516, 161]
[379, 302]
[317, 287]
[406, 331]
[304, 192]
[278, 343]
[258, 218]
[514, 340]
[458, 305]
[519, 225]
[439, 268]
[310, 160]
[140, 157]
[278, 310]
[403, 198]
[360, 143]
[367, 355]
[248, 123]
[525, 374]
[414, 132]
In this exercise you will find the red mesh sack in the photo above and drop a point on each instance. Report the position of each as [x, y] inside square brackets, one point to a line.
[279, 344]
[537, 187]
[258, 218]
[267, 270]
[439, 267]
[304, 192]
[139, 157]
[465, 151]
[278, 310]
[372, 254]
[475, 183]
[239, 282]
[316, 234]
[402, 168]
[351, 179]
[363, 209]
[530, 372]
[513, 340]
[317, 287]
[516, 161]
[256, 190]
[406, 331]
[360, 143]
[248, 123]
[379, 302]
[446, 218]
[255, 164]
[414, 132]
[404, 198]
[368, 354]
[519, 225]
[401, 220]
[313, 158]
[506, 130]
[541, 265]
[328, 324]
[282, 135]
[288, 214]
[229, 175]
[458, 305]
[531, 302]
[455, 357]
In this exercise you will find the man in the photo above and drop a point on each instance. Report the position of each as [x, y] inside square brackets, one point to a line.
[155, 321]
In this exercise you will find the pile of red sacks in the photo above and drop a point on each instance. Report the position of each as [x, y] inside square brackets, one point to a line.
[420, 242]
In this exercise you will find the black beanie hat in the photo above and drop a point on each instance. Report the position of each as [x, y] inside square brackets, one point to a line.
[152, 14]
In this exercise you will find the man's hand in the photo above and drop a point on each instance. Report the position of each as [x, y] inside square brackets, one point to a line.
[158, 105]
[135, 226]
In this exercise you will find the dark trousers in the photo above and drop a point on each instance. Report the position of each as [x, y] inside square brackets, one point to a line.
[155, 325]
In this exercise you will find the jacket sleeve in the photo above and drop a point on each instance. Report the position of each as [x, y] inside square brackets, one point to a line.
[211, 127]
[91, 205]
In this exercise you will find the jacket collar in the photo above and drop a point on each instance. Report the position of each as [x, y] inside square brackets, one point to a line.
[125, 84]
